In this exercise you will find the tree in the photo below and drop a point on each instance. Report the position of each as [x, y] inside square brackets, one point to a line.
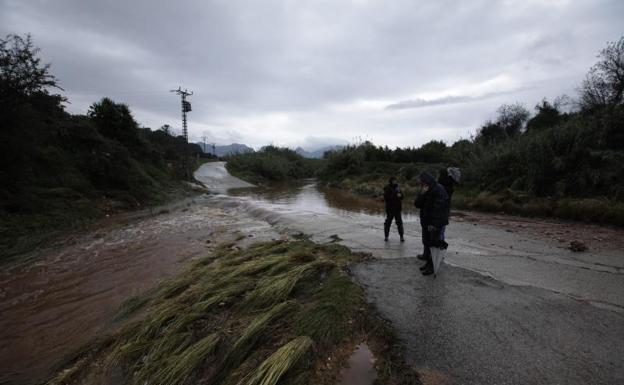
[433, 152]
[509, 123]
[115, 121]
[21, 71]
[166, 129]
[604, 83]
[490, 133]
[512, 117]
[548, 115]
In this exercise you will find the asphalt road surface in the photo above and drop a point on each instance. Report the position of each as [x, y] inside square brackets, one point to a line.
[465, 328]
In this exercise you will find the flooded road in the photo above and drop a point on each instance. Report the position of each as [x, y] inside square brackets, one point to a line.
[513, 306]
[503, 251]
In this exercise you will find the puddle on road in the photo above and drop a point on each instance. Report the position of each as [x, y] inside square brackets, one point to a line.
[360, 368]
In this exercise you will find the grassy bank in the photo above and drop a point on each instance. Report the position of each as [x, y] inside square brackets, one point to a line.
[372, 177]
[282, 312]
[369, 177]
[589, 210]
[272, 164]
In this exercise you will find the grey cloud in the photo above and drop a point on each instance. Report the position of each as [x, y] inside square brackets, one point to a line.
[248, 60]
[450, 99]
[419, 103]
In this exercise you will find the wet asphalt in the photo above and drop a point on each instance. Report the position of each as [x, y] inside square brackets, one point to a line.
[464, 328]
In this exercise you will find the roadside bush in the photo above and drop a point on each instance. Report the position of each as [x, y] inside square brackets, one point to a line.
[271, 164]
[591, 210]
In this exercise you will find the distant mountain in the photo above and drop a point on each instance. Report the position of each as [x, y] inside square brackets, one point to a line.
[238, 148]
[234, 148]
[316, 153]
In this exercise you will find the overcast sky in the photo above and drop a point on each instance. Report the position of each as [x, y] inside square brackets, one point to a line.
[311, 73]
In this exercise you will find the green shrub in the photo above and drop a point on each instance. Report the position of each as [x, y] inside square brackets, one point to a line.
[271, 164]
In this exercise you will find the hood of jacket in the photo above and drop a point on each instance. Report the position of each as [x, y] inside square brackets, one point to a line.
[454, 173]
[427, 178]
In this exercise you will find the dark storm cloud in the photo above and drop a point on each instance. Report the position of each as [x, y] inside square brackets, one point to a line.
[284, 71]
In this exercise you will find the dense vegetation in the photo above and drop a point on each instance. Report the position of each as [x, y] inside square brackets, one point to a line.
[271, 164]
[281, 312]
[552, 163]
[59, 168]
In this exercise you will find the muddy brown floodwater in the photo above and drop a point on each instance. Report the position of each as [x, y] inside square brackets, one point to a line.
[70, 294]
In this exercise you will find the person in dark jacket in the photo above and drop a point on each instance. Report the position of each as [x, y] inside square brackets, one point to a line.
[433, 204]
[448, 182]
[393, 199]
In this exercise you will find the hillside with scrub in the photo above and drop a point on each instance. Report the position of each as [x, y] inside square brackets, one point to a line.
[61, 169]
[564, 160]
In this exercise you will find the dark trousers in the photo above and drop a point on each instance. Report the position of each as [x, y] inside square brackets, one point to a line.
[396, 215]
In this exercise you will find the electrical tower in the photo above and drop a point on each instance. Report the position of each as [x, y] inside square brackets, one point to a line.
[186, 107]
[204, 142]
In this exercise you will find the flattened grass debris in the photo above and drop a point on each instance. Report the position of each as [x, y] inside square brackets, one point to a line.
[274, 367]
[221, 321]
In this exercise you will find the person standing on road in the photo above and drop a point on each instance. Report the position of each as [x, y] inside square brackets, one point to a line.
[393, 199]
[433, 204]
[448, 178]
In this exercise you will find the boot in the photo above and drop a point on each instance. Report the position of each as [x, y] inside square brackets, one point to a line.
[424, 267]
[386, 231]
[428, 271]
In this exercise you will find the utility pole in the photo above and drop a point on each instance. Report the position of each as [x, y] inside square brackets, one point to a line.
[186, 107]
[204, 142]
